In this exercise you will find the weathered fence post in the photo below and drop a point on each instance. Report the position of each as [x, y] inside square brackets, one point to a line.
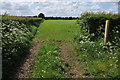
[106, 31]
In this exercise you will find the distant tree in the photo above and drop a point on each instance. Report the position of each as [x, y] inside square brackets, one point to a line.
[70, 18]
[41, 15]
[35, 16]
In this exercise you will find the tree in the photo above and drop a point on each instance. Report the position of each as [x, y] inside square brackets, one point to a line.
[70, 18]
[35, 16]
[41, 15]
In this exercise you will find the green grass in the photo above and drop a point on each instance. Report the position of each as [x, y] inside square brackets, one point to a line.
[48, 64]
[100, 61]
[63, 30]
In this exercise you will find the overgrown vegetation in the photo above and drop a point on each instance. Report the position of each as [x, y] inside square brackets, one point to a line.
[17, 34]
[100, 60]
[94, 23]
[48, 63]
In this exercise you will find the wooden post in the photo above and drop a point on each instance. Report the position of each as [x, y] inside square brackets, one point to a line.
[106, 31]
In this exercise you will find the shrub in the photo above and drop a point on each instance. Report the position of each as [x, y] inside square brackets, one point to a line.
[94, 23]
[17, 34]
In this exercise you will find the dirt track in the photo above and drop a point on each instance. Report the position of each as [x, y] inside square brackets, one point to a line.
[73, 69]
[67, 54]
[27, 64]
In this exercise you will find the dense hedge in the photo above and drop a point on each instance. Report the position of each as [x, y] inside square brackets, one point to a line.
[17, 34]
[94, 23]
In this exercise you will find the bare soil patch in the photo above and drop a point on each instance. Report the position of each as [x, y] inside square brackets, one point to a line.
[26, 64]
[72, 66]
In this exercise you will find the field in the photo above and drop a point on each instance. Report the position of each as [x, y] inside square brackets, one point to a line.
[69, 57]
[42, 48]
[55, 35]
[61, 30]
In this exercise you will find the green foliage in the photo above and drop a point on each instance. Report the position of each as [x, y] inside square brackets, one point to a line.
[41, 15]
[101, 60]
[94, 23]
[48, 64]
[25, 20]
[17, 35]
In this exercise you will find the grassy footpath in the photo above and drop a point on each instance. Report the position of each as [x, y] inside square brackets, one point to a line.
[52, 32]
[63, 30]
[48, 64]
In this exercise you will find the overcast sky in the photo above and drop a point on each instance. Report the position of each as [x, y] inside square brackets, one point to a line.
[56, 7]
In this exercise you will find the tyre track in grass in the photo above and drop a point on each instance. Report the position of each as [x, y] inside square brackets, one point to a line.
[26, 66]
[72, 66]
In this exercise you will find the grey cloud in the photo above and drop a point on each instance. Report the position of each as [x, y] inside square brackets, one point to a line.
[44, 4]
[17, 8]
[51, 8]
[7, 6]
[21, 7]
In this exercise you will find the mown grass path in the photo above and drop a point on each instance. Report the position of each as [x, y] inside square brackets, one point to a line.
[61, 33]
[57, 30]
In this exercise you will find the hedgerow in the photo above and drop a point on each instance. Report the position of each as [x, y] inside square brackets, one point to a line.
[94, 23]
[101, 60]
[17, 35]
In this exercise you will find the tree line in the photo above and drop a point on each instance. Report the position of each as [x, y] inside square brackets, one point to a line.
[41, 15]
[61, 18]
